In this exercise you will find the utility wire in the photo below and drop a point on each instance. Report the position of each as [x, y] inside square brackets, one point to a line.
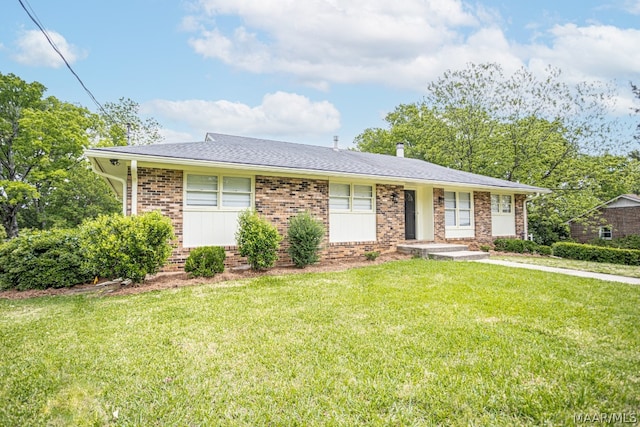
[32, 15]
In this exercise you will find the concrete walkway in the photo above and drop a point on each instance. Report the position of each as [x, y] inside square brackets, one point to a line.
[578, 273]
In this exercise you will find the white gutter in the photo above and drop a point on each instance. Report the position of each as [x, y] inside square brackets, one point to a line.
[134, 187]
[97, 169]
[244, 167]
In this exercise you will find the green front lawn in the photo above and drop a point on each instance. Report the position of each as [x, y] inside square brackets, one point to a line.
[405, 343]
[572, 264]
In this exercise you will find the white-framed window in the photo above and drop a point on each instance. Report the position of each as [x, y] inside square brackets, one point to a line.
[457, 209]
[351, 197]
[501, 204]
[605, 233]
[215, 191]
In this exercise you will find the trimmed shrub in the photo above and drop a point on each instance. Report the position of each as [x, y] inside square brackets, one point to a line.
[205, 261]
[515, 246]
[42, 259]
[521, 246]
[596, 253]
[127, 247]
[628, 242]
[544, 250]
[372, 255]
[305, 236]
[257, 240]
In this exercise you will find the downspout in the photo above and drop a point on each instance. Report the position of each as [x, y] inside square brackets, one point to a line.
[526, 218]
[96, 168]
[134, 187]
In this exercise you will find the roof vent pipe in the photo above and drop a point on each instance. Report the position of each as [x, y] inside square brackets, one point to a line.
[400, 149]
[335, 143]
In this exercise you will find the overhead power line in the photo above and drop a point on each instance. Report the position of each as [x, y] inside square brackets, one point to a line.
[34, 17]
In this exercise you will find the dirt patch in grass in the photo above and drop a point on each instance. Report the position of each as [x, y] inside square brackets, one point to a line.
[181, 279]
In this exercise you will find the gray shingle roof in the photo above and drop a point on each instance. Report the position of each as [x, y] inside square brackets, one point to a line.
[311, 158]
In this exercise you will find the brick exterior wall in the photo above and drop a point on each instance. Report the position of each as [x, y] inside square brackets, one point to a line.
[438, 216]
[389, 216]
[482, 217]
[519, 201]
[161, 189]
[623, 221]
[279, 198]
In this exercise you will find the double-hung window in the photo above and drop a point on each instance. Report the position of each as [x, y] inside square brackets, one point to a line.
[236, 192]
[350, 197]
[218, 191]
[202, 190]
[605, 233]
[457, 209]
[501, 203]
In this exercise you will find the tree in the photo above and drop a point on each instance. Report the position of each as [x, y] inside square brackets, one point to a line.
[80, 195]
[122, 125]
[40, 139]
[517, 127]
[44, 180]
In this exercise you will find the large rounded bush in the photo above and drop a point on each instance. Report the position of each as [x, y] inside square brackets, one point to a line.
[42, 259]
[130, 247]
[305, 236]
[257, 240]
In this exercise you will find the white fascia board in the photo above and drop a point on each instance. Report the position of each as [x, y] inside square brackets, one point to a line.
[301, 172]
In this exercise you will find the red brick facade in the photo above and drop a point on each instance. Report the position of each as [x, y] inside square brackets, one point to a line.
[624, 221]
[519, 202]
[438, 216]
[279, 198]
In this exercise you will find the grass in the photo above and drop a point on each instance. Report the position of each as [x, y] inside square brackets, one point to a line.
[405, 343]
[596, 267]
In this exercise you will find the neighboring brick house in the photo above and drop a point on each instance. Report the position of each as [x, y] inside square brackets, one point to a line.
[619, 217]
[365, 201]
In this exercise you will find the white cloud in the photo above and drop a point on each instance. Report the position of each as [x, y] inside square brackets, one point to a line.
[35, 50]
[324, 42]
[280, 114]
[170, 135]
[632, 6]
[400, 44]
[593, 52]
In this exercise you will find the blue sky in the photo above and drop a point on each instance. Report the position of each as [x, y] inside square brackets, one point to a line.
[305, 70]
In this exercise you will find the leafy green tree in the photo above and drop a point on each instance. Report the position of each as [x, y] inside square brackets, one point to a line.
[82, 194]
[40, 139]
[122, 125]
[44, 180]
[518, 127]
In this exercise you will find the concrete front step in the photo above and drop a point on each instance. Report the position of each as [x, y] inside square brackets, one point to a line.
[442, 251]
[459, 255]
[424, 249]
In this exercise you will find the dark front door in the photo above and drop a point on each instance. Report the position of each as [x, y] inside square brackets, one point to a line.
[409, 214]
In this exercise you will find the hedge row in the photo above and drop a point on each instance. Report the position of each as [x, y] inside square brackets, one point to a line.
[596, 253]
[521, 246]
[628, 242]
